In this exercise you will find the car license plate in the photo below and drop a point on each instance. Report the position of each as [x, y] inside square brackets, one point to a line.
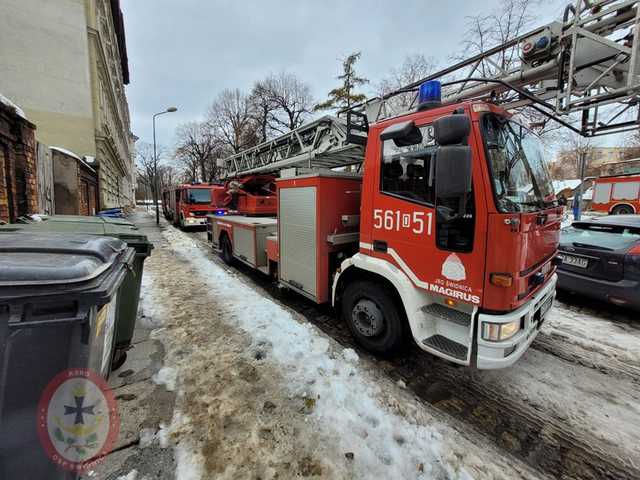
[575, 261]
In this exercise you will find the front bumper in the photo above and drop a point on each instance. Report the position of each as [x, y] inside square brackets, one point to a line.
[195, 221]
[503, 354]
[624, 292]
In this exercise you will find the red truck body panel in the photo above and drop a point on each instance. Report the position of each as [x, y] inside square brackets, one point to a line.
[335, 196]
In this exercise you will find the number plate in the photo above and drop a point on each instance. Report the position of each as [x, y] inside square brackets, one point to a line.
[575, 261]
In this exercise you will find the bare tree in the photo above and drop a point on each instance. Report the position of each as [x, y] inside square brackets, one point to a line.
[232, 120]
[568, 162]
[169, 176]
[413, 68]
[509, 20]
[149, 167]
[263, 107]
[197, 149]
[281, 103]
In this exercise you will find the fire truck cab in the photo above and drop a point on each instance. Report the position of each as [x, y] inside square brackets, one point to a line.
[188, 205]
[459, 229]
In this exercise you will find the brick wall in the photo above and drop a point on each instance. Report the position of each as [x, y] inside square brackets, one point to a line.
[18, 166]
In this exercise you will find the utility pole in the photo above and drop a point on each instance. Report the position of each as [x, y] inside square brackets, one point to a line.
[577, 198]
[156, 185]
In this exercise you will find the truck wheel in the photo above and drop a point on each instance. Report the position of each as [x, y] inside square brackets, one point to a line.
[622, 210]
[226, 250]
[373, 317]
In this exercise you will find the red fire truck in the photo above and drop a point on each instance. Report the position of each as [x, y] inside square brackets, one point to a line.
[617, 194]
[188, 205]
[445, 227]
[409, 247]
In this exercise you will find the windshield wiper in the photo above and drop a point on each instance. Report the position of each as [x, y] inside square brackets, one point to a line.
[595, 247]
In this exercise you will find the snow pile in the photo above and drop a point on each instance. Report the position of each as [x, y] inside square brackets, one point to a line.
[343, 402]
[66, 152]
[188, 462]
[166, 376]
[152, 314]
[149, 436]
[5, 101]
[132, 475]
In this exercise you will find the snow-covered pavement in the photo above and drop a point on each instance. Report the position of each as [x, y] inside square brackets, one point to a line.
[264, 393]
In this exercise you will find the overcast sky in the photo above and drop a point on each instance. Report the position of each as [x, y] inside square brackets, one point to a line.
[184, 52]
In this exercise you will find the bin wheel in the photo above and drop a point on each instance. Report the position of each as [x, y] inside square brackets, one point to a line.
[374, 318]
[226, 250]
[119, 357]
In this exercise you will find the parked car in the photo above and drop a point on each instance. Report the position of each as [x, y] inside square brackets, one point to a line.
[601, 259]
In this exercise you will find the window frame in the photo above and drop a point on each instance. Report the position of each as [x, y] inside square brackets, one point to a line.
[396, 195]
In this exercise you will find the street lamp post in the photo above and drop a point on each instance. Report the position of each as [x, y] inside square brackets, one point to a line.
[155, 162]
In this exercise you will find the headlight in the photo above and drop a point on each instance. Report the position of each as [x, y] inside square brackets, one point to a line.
[495, 332]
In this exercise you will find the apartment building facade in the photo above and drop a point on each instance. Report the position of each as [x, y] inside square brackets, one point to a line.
[65, 64]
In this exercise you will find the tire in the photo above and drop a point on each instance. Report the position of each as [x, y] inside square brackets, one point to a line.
[374, 318]
[226, 250]
[622, 210]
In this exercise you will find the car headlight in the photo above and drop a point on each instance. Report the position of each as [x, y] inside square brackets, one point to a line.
[496, 332]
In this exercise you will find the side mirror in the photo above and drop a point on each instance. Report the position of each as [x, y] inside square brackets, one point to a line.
[403, 134]
[453, 171]
[452, 129]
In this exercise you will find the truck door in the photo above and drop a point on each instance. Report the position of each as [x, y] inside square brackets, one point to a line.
[441, 253]
[436, 255]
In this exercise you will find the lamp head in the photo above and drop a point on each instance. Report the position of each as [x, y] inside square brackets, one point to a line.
[172, 109]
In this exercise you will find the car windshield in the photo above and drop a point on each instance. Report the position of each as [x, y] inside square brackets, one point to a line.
[600, 236]
[521, 179]
[198, 195]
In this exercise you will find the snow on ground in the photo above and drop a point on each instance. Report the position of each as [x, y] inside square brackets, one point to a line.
[345, 405]
[166, 376]
[152, 314]
[594, 333]
[359, 425]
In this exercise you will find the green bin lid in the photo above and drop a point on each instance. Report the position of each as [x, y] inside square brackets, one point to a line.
[124, 230]
[46, 259]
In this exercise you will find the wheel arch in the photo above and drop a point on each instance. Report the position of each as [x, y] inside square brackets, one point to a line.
[365, 267]
[622, 204]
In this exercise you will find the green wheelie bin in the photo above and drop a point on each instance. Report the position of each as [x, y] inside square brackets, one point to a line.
[108, 227]
[58, 302]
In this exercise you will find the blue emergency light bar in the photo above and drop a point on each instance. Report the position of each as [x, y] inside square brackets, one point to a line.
[429, 94]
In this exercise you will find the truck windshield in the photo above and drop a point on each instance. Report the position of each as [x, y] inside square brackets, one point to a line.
[521, 180]
[198, 195]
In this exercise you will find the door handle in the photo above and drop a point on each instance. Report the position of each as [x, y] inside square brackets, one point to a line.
[379, 246]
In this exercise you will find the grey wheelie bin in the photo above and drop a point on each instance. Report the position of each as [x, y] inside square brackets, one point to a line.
[58, 298]
[111, 227]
